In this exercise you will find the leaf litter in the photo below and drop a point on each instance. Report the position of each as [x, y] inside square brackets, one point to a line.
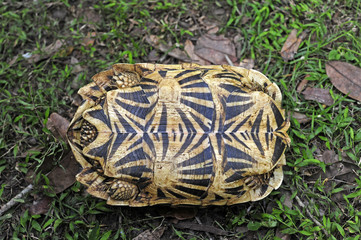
[47, 52]
[339, 173]
[58, 125]
[290, 47]
[60, 176]
[167, 48]
[302, 85]
[320, 95]
[300, 117]
[189, 48]
[209, 49]
[345, 77]
[156, 234]
[215, 48]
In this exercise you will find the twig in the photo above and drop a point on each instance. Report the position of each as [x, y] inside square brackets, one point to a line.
[228, 60]
[14, 201]
[302, 205]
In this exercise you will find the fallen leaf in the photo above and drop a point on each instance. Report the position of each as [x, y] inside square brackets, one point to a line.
[320, 95]
[189, 48]
[300, 117]
[291, 45]
[341, 172]
[329, 157]
[345, 77]
[156, 234]
[63, 175]
[13, 60]
[89, 39]
[214, 48]
[58, 125]
[74, 62]
[213, 30]
[169, 49]
[153, 56]
[207, 24]
[247, 63]
[201, 228]
[40, 205]
[46, 52]
[302, 84]
[288, 199]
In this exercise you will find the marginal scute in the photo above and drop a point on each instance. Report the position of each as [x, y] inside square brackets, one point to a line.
[182, 134]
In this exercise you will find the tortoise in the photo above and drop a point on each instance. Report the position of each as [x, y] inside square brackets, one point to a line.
[148, 134]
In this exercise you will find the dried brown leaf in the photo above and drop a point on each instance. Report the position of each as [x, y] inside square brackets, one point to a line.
[329, 157]
[345, 77]
[63, 175]
[156, 234]
[157, 43]
[58, 125]
[189, 48]
[301, 118]
[214, 48]
[291, 45]
[153, 56]
[89, 39]
[343, 169]
[13, 60]
[320, 95]
[46, 52]
[302, 84]
[41, 205]
[206, 23]
[213, 30]
[74, 62]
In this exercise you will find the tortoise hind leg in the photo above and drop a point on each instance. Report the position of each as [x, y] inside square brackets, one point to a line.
[115, 190]
[266, 183]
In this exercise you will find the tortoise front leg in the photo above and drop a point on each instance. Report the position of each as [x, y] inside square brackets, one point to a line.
[119, 76]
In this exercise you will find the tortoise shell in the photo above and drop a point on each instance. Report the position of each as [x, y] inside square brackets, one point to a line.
[186, 134]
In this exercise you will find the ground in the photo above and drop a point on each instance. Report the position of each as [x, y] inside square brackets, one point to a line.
[49, 49]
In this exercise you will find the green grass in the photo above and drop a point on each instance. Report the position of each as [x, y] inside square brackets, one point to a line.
[31, 91]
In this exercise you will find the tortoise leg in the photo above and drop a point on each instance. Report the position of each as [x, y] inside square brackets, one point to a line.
[255, 181]
[119, 76]
[122, 190]
[101, 187]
